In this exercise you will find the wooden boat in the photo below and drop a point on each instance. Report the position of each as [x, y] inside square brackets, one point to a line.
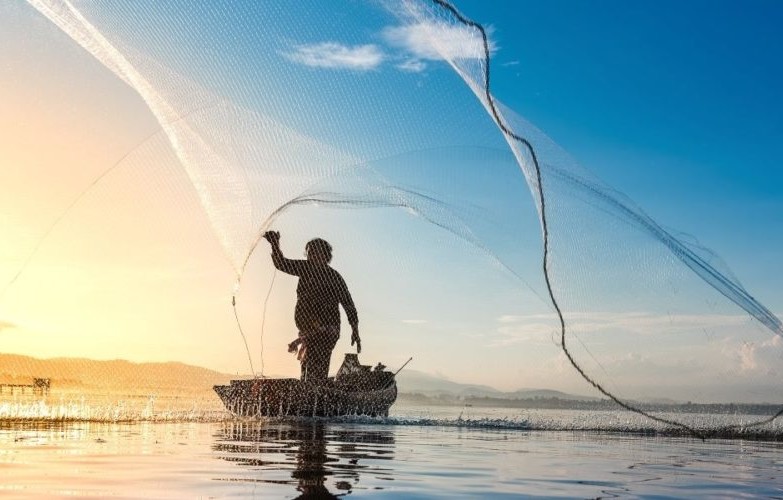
[355, 390]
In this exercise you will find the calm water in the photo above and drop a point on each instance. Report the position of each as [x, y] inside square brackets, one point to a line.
[417, 453]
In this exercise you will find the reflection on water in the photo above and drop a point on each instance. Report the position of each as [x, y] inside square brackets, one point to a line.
[324, 460]
[320, 459]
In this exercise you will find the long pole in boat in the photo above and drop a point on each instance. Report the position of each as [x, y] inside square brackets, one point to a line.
[403, 366]
[391, 379]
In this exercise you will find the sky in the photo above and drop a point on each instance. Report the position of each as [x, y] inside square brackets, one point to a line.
[680, 91]
[140, 153]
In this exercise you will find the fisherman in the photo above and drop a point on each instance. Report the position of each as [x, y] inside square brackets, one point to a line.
[317, 315]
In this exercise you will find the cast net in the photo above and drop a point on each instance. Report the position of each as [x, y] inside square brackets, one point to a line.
[177, 133]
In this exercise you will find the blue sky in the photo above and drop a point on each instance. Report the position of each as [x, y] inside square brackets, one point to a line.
[677, 104]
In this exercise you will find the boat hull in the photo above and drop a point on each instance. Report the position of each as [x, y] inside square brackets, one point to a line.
[371, 394]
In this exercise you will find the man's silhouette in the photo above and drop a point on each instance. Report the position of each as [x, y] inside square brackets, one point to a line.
[320, 291]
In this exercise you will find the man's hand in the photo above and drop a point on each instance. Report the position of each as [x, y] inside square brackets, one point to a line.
[273, 237]
[356, 340]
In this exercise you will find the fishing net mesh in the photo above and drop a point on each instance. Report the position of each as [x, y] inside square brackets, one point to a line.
[467, 238]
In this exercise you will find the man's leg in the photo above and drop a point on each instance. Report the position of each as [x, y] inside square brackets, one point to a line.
[315, 367]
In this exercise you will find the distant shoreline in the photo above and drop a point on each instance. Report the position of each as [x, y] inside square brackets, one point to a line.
[553, 403]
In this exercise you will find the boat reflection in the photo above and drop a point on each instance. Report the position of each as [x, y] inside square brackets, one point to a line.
[319, 459]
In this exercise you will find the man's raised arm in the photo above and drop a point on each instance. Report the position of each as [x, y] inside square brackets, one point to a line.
[278, 259]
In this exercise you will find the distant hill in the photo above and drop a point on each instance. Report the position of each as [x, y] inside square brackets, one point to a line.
[416, 382]
[423, 383]
[109, 375]
[547, 394]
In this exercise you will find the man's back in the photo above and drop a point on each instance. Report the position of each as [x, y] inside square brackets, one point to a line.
[319, 293]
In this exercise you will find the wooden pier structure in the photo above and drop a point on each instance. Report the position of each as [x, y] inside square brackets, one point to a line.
[40, 386]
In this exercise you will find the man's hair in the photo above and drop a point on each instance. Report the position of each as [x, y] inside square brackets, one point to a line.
[321, 246]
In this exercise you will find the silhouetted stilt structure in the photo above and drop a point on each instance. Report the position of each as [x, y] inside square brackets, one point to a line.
[39, 386]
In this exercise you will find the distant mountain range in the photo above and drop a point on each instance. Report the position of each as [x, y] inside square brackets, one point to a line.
[88, 374]
[412, 381]
[179, 377]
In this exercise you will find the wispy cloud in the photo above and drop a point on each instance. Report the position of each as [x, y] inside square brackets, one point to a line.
[639, 322]
[536, 328]
[437, 41]
[335, 55]
[412, 66]
[528, 333]
[5, 325]
[412, 44]
[758, 357]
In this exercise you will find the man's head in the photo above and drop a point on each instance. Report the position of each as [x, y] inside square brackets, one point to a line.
[319, 251]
